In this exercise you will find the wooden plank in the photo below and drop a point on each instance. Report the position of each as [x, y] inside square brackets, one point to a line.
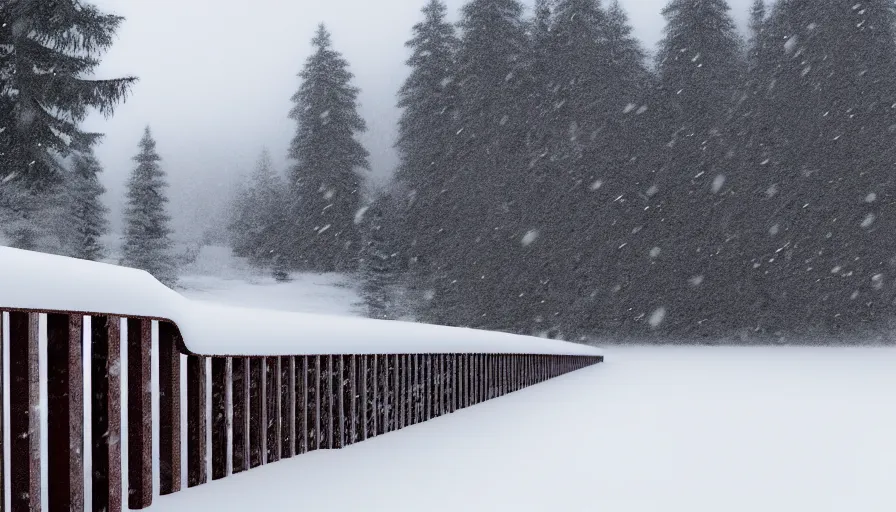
[302, 405]
[330, 396]
[219, 417]
[197, 425]
[364, 387]
[314, 404]
[256, 412]
[396, 392]
[287, 407]
[169, 409]
[385, 392]
[272, 409]
[354, 409]
[341, 433]
[139, 413]
[65, 412]
[24, 413]
[3, 405]
[375, 399]
[105, 373]
[240, 403]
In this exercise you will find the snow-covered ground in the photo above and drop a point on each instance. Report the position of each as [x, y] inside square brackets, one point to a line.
[216, 276]
[653, 429]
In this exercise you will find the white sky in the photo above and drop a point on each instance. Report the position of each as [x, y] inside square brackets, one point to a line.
[216, 78]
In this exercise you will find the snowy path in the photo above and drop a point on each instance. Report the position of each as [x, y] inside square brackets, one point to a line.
[668, 429]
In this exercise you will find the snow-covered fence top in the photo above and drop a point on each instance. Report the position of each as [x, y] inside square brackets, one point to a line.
[32, 281]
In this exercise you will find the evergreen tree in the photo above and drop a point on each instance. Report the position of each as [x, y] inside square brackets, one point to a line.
[47, 49]
[699, 72]
[85, 211]
[325, 184]
[259, 219]
[380, 267]
[147, 242]
[425, 135]
[478, 285]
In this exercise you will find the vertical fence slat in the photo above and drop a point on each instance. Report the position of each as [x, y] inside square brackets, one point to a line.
[197, 426]
[240, 401]
[302, 409]
[3, 406]
[314, 404]
[139, 413]
[364, 397]
[256, 412]
[65, 412]
[341, 403]
[169, 409]
[272, 409]
[105, 374]
[353, 393]
[287, 407]
[24, 419]
[219, 418]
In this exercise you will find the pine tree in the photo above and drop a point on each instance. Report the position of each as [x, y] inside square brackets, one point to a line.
[379, 266]
[147, 242]
[482, 232]
[258, 224]
[85, 210]
[325, 184]
[46, 51]
[699, 72]
[426, 132]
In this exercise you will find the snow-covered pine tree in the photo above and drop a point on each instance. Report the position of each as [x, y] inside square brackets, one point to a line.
[425, 135]
[700, 68]
[259, 218]
[379, 265]
[483, 231]
[325, 185]
[86, 213]
[147, 236]
[47, 51]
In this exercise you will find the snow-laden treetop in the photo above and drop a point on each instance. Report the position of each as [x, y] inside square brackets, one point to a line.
[41, 282]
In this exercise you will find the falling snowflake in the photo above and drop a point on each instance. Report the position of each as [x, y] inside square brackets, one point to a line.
[652, 191]
[696, 281]
[774, 230]
[657, 317]
[870, 198]
[530, 238]
[718, 183]
[655, 252]
[869, 220]
[324, 229]
[359, 215]
[629, 108]
[597, 185]
[877, 281]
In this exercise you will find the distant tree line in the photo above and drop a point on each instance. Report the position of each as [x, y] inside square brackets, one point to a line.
[555, 182]
[552, 180]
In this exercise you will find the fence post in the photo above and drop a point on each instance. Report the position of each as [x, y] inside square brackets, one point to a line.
[302, 408]
[65, 412]
[287, 407]
[256, 412]
[24, 413]
[272, 409]
[139, 412]
[219, 417]
[197, 426]
[240, 403]
[106, 413]
[169, 409]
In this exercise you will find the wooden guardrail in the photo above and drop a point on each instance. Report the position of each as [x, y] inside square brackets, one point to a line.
[258, 400]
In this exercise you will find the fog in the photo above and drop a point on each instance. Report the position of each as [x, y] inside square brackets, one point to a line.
[216, 78]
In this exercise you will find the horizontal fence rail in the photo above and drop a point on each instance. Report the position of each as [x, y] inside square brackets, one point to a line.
[130, 412]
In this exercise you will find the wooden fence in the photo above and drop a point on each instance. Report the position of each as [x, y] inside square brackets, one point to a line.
[262, 409]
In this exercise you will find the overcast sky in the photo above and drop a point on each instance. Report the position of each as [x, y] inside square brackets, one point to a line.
[216, 78]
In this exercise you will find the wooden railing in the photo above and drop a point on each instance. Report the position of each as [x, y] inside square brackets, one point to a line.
[237, 412]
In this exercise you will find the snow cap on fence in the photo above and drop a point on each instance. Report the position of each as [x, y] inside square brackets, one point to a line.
[41, 282]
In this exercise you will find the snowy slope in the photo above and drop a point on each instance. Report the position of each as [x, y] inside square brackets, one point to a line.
[654, 429]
